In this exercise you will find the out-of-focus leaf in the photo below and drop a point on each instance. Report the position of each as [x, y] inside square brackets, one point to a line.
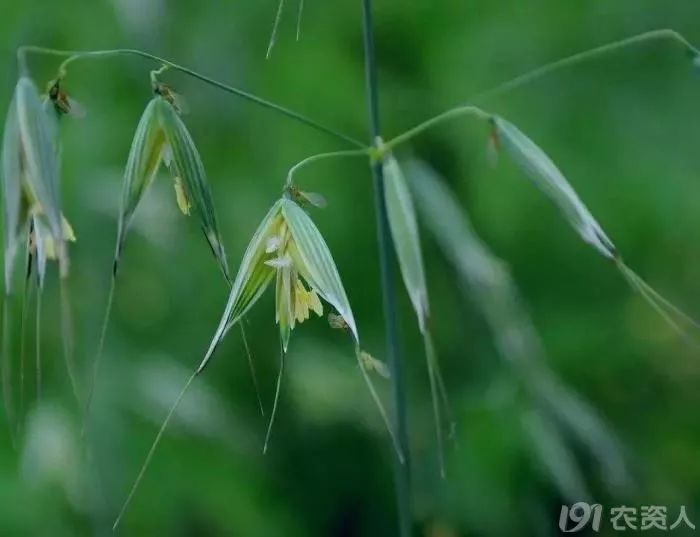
[554, 456]
[487, 280]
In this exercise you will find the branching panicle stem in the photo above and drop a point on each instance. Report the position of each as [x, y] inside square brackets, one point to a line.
[653, 35]
[459, 111]
[324, 156]
[73, 55]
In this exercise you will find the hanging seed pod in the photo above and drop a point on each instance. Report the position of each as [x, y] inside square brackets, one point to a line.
[30, 176]
[31, 207]
[14, 214]
[403, 225]
[404, 232]
[161, 137]
[547, 177]
[39, 156]
[187, 168]
[286, 245]
[145, 157]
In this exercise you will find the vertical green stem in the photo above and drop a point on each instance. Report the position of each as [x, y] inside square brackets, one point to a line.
[402, 475]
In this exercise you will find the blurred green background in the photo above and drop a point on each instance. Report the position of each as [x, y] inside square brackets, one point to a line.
[624, 129]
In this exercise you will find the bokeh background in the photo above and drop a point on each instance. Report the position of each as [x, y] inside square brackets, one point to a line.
[624, 129]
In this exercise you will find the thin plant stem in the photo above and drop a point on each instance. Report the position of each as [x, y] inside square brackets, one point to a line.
[584, 56]
[152, 451]
[453, 113]
[100, 350]
[531, 76]
[277, 397]
[687, 319]
[324, 156]
[378, 402]
[37, 330]
[435, 396]
[275, 28]
[26, 301]
[251, 365]
[300, 13]
[7, 367]
[662, 306]
[435, 364]
[79, 55]
[156, 441]
[67, 329]
[402, 474]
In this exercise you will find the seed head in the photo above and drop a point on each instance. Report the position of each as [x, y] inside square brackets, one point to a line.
[162, 138]
[30, 178]
[287, 247]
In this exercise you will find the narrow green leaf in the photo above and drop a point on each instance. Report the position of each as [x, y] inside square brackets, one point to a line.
[547, 177]
[187, 165]
[404, 232]
[316, 262]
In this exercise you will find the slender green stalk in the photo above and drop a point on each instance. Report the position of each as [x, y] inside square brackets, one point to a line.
[402, 474]
[100, 350]
[275, 28]
[378, 402]
[152, 451]
[300, 14]
[7, 367]
[26, 301]
[37, 335]
[584, 56]
[324, 156]
[468, 110]
[277, 398]
[435, 396]
[540, 72]
[74, 55]
[67, 329]
[251, 365]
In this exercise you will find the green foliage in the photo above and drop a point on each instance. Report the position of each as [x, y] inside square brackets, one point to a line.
[623, 134]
